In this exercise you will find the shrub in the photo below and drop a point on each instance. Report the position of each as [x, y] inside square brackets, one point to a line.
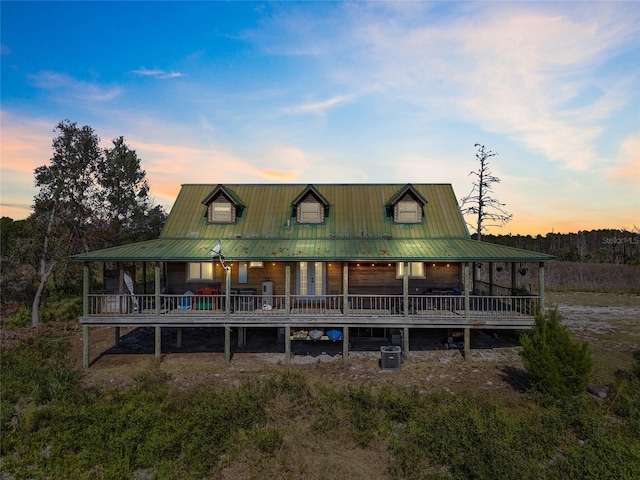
[558, 366]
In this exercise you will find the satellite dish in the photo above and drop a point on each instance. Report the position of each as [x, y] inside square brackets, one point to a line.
[216, 251]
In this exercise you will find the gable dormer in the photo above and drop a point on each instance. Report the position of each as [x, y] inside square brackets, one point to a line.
[310, 206]
[406, 205]
[223, 205]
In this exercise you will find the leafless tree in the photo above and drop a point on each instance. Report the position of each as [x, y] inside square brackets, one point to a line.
[480, 203]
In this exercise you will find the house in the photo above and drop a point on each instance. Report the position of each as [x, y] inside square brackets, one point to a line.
[312, 261]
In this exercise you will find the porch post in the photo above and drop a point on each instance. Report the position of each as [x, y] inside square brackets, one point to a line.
[158, 344]
[467, 343]
[345, 344]
[179, 337]
[405, 341]
[157, 288]
[513, 278]
[405, 289]
[491, 280]
[227, 293]
[287, 289]
[541, 287]
[467, 284]
[85, 346]
[287, 344]
[116, 334]
[85, 289]
[227, 344]
[345, 288]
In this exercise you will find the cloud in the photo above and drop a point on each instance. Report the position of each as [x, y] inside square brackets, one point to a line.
[318, 107]
[74, 89]
[4, 49]
[156, 73]
[627, 170]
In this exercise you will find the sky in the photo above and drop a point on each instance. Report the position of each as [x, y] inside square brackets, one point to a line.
[339, 92]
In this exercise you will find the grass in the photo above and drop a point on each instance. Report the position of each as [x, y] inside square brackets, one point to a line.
[282, 426]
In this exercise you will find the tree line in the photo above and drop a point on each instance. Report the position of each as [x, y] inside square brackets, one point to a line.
[615, 246]
[88, 198]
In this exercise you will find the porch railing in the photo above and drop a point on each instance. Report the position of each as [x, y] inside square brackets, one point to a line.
[281, 305]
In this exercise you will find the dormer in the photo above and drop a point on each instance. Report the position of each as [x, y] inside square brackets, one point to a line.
[223, 205]
[406, 205]
[310, 206]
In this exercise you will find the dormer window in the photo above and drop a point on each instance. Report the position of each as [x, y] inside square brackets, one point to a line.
[408, 211]
[310, 206]
[223, 206]
[221, 212]
[406, 205]
[310, 212]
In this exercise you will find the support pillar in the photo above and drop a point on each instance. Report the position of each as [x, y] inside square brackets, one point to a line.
[227, 293]
[405, 289]
[345, 344]
[466, 280]
[85, 346]
[157, 288]
[287, 289]
[287, 344]
[116, 335]
[405, 342]
[158, 344]
[467, 343]
[345, 288]
[242, 337]
[541, 287]
[85, 289]
[179, 337]
[227, 343]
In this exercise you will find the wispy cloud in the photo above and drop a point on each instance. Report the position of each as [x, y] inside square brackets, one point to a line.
[74, 89]
[318, 107]
[627, 170]
[156, 73]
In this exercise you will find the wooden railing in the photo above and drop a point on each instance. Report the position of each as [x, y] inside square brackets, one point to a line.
[281, 305]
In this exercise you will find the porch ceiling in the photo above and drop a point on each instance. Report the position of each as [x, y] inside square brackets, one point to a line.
[365, 249]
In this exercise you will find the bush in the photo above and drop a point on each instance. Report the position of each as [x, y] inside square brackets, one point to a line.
[558, 366]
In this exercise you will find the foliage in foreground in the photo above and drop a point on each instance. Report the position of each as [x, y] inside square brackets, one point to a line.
[558, 366]
[53, 427]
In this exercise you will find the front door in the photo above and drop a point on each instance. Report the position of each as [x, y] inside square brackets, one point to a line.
[311, 279]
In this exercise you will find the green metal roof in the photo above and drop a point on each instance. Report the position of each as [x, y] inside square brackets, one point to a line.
[357, 228]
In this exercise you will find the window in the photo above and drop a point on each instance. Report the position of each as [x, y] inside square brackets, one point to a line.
[309, 212]
[221, 212]
[200, 271]
[408, 212]
[416, 270]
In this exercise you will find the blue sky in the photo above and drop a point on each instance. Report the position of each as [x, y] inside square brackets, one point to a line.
[335, 92]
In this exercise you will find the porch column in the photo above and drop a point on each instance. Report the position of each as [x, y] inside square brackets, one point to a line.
[227, 293]
[541, 287]
[242, 337]
[513, 278]
[466, 280]
[179, 337]
[158, 344]
[85, 346]
[116, 335]
[287, 344]
[345, 344]
[227, 344]
[157, 288]
[85, 289]
[405, 289]
[467, 343]
[491, 280]
[287, 289]
[345, 288]
[405, 342]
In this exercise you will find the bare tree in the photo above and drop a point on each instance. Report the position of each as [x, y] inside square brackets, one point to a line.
[480, 203]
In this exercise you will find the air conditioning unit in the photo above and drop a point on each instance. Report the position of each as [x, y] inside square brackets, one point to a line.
[391, 357]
